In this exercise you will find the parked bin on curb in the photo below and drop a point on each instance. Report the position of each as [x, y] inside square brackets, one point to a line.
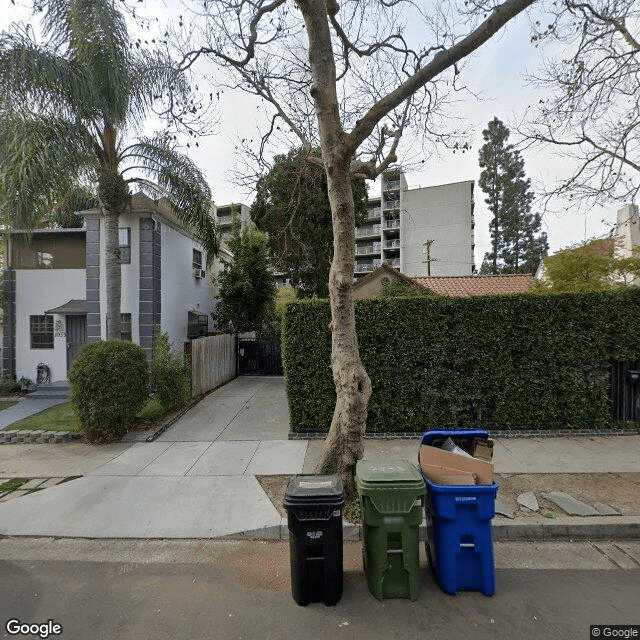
[459, 533]
[314, 514]
[391, 494]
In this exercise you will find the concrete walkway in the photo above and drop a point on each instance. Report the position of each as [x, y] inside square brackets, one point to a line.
[198, 479]
[47, 396]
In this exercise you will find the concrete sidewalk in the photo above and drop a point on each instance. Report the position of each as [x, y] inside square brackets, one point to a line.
[198, 479]
[45, 397]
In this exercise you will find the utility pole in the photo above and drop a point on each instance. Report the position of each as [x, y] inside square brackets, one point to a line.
[426, 248]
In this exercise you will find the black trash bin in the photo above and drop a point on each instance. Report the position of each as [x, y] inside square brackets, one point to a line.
[314, 513]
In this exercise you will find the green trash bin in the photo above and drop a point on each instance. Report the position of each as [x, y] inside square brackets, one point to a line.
[391, 497]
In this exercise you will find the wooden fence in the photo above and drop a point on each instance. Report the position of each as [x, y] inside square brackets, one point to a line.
[213, 362]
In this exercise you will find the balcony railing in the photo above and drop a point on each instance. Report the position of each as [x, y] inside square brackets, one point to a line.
[390, 205]
[392, 244]
[363, 232]
[392, 224]
[363, 251]
[374, 214]
[394, 262]
[366, 267]
[393, 185]
[224, 219]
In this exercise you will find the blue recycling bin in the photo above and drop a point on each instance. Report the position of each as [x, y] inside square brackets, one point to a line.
[459, 533]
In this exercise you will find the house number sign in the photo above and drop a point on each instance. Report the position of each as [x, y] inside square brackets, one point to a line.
[59, 331]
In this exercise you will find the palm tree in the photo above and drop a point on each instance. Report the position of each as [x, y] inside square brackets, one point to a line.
[67, 106]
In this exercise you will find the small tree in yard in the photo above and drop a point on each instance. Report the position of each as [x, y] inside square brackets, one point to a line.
[589, 267]
[170, 376]
[350, 79]
[247, 289]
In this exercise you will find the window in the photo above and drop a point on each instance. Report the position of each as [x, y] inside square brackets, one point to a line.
[124, 241]
[198, 325]
[197, 259]
[41, 329]
[125, 326]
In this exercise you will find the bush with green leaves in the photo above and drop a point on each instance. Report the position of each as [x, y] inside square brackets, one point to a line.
[8, 384]
[109, 386]
[508, 362]
[170, 376]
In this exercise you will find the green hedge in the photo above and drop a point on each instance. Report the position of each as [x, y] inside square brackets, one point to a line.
[507, 362]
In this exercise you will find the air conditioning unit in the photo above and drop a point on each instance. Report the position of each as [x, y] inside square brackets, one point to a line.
[198, 273]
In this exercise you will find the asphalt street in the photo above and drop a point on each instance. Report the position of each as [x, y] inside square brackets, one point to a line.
[119, 590]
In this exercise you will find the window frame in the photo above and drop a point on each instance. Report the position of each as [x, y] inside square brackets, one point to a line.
[123, 323]
[42, 331]
[126, 322]
[124, 248]
[196, 259]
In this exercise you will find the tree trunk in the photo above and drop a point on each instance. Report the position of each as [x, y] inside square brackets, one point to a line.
[112, 274]
[344, 444]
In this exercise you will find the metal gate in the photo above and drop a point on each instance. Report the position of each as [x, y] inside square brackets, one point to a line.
[625, 391]
[76, 337]
[259, 357]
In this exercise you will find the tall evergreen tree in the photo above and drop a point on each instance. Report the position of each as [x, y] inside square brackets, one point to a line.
[518, 245]
[247, 288]
[292, 206]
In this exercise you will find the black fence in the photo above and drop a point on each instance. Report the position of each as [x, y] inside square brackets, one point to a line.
[625, 391]
[259, 357]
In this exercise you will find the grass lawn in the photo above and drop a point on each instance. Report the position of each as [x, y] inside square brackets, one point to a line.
[58, 418]
[62, 418]
[6, 405]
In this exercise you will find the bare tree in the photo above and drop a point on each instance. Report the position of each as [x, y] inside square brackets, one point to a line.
[593, 114]
[351, 80]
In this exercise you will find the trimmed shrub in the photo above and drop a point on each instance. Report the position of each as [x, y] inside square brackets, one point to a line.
[507, 362]
[170, 377]
[109, 387]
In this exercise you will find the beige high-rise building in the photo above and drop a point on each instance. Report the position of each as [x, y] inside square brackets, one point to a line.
[422, 232]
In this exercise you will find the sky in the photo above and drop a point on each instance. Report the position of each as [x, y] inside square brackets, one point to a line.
[496, 72]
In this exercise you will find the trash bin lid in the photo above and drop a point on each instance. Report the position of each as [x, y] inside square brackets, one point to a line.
[316, 488]
[371, 473]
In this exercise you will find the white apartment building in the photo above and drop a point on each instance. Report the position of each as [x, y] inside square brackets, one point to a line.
[224, 215]
[422, 232]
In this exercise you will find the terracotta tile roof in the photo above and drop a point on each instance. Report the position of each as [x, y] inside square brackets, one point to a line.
[465, 286]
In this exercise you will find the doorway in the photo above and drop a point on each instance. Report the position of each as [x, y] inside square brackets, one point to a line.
[76, 337]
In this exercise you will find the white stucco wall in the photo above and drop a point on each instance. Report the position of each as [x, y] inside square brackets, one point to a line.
[180, 291]
[36, 291]
[444, 214]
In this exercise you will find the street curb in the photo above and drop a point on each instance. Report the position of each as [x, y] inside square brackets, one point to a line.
[599, 528]
[589, 528]
[567, 529]
[169, 423]
[493, 433]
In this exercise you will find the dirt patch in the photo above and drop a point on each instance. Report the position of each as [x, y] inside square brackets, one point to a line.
[274, 487]
[260, 565]
[619, 490]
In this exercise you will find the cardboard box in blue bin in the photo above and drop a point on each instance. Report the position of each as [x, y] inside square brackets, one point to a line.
[445, 467]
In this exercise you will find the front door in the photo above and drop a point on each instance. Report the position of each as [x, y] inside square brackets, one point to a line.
[76, 337]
